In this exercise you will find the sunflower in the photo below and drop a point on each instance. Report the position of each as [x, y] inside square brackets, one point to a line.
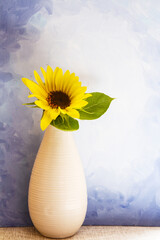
[59, 94]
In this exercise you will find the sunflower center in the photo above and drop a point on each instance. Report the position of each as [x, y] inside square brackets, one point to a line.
[58, 99]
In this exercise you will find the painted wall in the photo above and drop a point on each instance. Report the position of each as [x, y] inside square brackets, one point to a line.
[114, 47]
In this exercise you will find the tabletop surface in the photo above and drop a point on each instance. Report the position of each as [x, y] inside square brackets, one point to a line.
[87, 233]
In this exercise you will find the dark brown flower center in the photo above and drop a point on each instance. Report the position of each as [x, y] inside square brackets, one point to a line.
[58, 99]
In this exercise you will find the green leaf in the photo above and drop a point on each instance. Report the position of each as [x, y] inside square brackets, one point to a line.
[97, 105]
[65, 122]
[31, 105]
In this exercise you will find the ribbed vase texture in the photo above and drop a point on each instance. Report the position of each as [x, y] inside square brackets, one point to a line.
[57, 191]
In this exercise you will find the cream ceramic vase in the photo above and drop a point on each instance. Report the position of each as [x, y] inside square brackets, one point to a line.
[57, 191]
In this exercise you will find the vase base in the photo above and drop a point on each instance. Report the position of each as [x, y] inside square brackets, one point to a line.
[58, 236]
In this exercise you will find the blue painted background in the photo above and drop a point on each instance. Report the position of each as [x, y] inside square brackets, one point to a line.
[114, 47]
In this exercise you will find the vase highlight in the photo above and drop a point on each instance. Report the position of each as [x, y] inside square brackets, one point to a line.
[57, 196]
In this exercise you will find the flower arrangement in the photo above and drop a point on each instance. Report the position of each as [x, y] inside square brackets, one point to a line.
[64, 100]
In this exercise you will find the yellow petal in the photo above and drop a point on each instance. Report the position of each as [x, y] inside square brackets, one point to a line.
[54, 77]
[63, 111]
[42, 104]
[54, 113]
[72, 81]
[80, 90]
[49, 78]
[38, 79]
[87, 95]
[36, 96]
[79, 104]
[46, 120]
[45, 79]
[34, 88]
[75, 87]
[59, 80]
[65, 80]
[78, 95]
[72, 76]
[72, 112]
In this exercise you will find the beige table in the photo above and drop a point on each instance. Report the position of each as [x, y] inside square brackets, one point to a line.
[87, 233]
